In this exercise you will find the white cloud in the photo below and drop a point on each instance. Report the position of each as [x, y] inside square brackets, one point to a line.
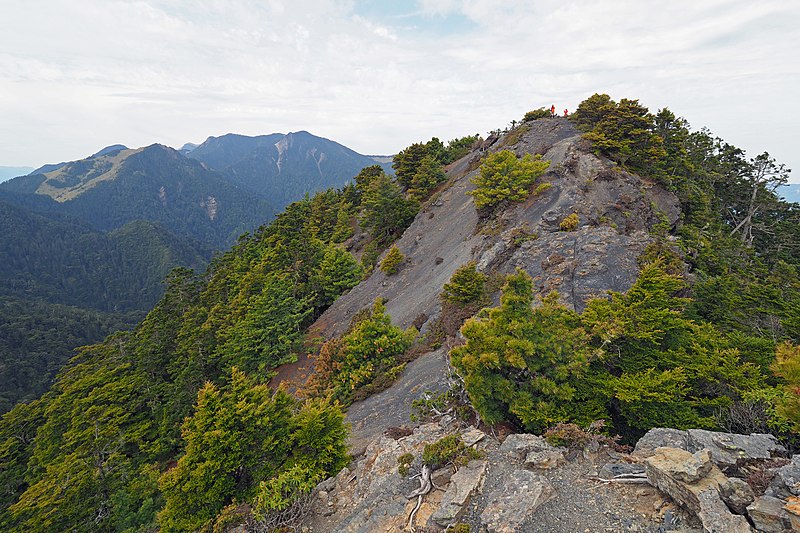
[78, 74]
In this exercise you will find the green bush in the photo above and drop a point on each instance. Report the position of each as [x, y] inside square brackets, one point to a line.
[466, 286]
[363, 360]
[536, 114]
[430, 173]
[449, 449]
[227, 455]
[638, 358]
[505, 177]
[392, 262]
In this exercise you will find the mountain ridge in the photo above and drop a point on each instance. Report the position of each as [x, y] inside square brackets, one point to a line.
[282, 167]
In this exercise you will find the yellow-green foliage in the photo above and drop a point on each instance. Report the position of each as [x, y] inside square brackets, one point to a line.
[787, 367]
[536, 114]
[637, 355]
[449, 449]
[392, 262]
[505, 177]
[570, 223]
[404, 463]
[542, 187]
[365, 358]
[466, 286]
[248, 439]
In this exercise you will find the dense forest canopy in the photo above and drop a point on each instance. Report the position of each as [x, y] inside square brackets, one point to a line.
[172, 425]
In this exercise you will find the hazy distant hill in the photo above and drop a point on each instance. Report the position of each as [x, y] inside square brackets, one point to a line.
[156, 183]
[12, 172]
[281, 168]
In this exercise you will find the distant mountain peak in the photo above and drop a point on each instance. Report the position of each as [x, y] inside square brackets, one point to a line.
[110, 150]
[281, 167]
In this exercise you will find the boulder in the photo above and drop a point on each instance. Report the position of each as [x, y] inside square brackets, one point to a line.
[681, 465]
[727, 449]
[793, 508]
[463, 484]
[661, 438]
[768, 515]
[693, 482]
[472, 436]
[737, 495]
[509, 506]
[519, 445]
[717, 518]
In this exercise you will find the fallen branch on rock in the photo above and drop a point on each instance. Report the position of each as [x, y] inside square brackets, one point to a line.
[623, 478]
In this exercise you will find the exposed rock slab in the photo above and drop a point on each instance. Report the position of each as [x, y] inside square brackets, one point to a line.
[463, 484]
[737, 495]
[661, 438]
[472, 436]
[611, 470]
[509, 507]
[731, 449]
[716, 517]
[545, 459]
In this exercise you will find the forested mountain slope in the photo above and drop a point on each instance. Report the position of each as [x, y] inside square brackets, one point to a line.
[64, 284]
[155, 183]
[101, 233]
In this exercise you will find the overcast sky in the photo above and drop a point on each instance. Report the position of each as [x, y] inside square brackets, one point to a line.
[77, 75]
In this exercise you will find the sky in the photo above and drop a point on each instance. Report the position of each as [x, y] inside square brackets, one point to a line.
[376, 76]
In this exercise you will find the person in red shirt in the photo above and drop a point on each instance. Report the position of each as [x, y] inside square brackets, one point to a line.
[553, 110]
[565, 113]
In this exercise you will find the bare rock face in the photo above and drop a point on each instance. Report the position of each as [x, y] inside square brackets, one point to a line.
[615, 209]
[717, 518]
[545, 459]
[730, 449]
[661, 438]
[509, 507]
[737, 495]
[518, 445]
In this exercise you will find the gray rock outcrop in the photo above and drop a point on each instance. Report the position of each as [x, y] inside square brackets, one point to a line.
[509, 507]
[727, 450]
